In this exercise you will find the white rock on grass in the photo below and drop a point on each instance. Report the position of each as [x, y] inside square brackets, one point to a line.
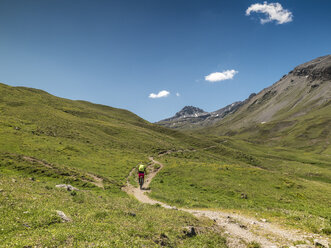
[321, 243]
[63, 216]
[67, 187]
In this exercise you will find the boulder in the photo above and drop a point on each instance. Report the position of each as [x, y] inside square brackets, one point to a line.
[189, 231]
[321, 243]
[243, 196]
[67, 187]
[242, 226]
[163, 240]
[63, 216]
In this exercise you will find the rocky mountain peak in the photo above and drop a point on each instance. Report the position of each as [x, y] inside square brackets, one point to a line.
[189, 111]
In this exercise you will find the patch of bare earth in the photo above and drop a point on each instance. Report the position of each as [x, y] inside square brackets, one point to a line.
[97, 181]
[34, 160]
[240, 230]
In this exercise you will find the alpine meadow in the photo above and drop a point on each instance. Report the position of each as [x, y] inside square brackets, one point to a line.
[189, 156]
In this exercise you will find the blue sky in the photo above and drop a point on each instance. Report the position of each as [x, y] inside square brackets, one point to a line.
[119, 52]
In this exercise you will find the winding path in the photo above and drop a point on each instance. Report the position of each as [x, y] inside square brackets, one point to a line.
[238, 229]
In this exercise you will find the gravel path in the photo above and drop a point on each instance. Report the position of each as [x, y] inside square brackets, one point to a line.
[239, 230]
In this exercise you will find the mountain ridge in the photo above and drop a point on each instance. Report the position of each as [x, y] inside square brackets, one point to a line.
[191, 116]
[318, 69]
[298, 104]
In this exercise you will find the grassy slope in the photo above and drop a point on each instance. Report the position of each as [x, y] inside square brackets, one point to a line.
[77, 138]
[296, 116]
[78, 134]
[310, 132]
[292, 182]
[290, 177]
[100, 218]
[285, 185]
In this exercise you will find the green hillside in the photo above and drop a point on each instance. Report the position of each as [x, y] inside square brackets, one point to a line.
[78, 134]
[281, 184]
[310, 132]
[293, 112]
[46, 140]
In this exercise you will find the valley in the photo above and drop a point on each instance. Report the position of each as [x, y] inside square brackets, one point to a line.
[267, 159]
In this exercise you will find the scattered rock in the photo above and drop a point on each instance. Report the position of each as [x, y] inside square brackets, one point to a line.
[189, 231]
[25, 212]
[163, 235]
[163, 240]
[253, 223]
[14, 180]
[17, 128]
[73, 193]
[321, 243]
[132, 214]
[32, 179]
[243, 226]
[244, 196]
[67, 186]
[63, 216]
[264, 220]
[230, 219]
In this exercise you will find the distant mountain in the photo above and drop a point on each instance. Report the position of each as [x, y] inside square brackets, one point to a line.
[187, 116]
[294, 111]
[189, 111]
[193, 117]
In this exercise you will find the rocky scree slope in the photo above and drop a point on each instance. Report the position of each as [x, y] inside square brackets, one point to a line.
[304, 89]
[295, 111]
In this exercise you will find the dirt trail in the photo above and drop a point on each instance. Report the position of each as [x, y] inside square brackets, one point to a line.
[34, 160]
[140, 194]
[97, 181]
[239, 230]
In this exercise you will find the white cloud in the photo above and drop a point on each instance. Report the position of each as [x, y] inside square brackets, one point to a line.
[177, 94]
[162, 93]
[273, 11]
[220, 76]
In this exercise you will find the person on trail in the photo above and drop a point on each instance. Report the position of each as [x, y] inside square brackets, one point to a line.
[141, 174]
